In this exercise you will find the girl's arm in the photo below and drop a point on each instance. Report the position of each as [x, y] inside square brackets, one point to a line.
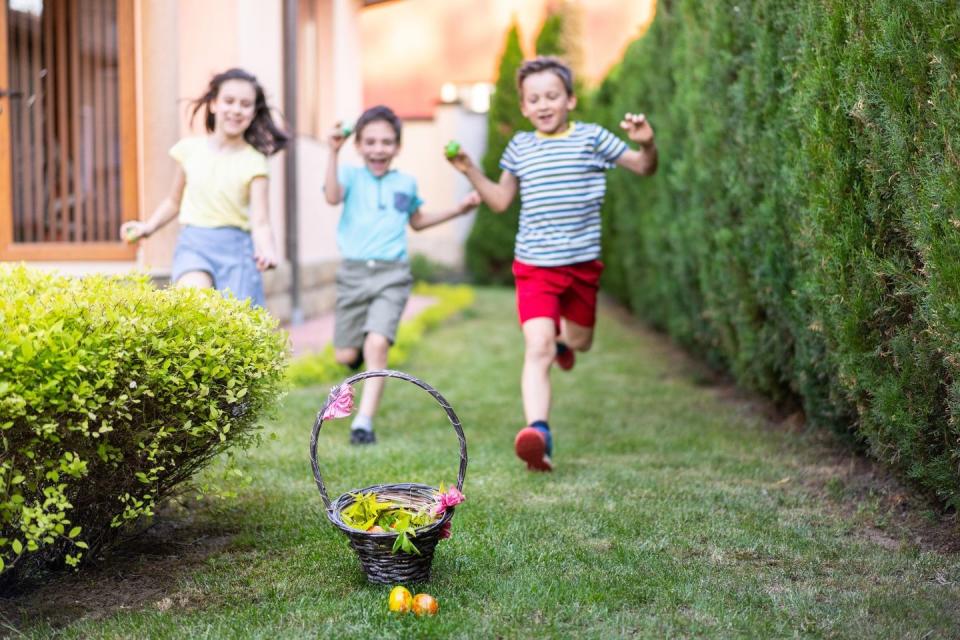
[166, 211]
[642, 161]
[332, 190]
[264, 249]
[497, 195]
[421, 220]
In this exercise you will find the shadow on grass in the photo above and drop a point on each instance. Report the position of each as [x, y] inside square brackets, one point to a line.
[138, 573]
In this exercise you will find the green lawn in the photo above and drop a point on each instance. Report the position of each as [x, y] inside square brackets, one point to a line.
[673, 512]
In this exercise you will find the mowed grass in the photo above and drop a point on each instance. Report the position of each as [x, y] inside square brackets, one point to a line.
[672, 513]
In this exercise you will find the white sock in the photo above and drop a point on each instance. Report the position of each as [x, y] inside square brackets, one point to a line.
[362, 422]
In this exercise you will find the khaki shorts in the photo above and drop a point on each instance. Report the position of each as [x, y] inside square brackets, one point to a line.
[371, 295]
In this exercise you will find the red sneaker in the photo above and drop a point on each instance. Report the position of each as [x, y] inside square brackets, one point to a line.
[532, 447]
[565, 357]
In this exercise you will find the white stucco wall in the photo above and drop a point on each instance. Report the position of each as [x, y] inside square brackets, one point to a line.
[441, 186]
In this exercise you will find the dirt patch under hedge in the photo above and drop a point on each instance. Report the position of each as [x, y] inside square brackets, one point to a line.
[140, 572]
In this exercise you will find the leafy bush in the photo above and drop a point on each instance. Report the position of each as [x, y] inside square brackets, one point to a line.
[801, 230]
[489, 250]
[112, 393]
[425, 269]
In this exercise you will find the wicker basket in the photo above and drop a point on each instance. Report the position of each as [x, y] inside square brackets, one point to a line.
[375, 550]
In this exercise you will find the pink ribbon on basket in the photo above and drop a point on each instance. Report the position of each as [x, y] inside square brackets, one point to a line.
[340, 402]
[451, 498]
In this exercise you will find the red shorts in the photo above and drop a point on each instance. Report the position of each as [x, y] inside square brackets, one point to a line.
[569, 291]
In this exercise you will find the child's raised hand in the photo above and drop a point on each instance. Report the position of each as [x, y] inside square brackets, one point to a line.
[338, 136]
[637, 128]
[470, 202]
[460, 160]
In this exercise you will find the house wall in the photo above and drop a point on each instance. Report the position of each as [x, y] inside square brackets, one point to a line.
[180, 52]
[181, 44]
[440, 185]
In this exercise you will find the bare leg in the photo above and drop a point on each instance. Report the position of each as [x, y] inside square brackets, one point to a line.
[197, 279]
[375, 348]
[540, 347]
[576, 336]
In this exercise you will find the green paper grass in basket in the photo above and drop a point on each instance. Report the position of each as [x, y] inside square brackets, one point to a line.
[368, 513]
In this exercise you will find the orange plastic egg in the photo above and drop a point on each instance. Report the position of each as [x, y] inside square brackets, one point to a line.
[425, 604]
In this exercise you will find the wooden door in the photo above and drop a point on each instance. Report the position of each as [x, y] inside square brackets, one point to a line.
[67, 129]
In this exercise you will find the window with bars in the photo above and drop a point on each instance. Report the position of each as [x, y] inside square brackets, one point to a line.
[66, 124]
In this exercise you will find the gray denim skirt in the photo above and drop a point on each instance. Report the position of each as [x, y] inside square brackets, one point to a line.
[226, 253]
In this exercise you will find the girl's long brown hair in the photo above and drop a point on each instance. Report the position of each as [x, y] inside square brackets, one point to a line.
[262, 134]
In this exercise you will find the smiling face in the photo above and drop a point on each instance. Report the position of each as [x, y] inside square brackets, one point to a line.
[377, 144]
[544, 101]
[234, 107]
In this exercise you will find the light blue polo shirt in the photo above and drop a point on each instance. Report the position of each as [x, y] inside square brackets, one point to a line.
[373, 225]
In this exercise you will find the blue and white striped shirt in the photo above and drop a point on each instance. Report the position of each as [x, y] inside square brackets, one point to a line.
[562, 185]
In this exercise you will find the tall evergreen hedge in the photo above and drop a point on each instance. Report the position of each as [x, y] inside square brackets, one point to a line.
[489, 250]
[803, 230]
[560, 36]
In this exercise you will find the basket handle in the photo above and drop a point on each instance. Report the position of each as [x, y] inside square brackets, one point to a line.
[385, 373]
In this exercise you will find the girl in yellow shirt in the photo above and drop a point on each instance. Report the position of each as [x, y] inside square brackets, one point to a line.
[220, 192]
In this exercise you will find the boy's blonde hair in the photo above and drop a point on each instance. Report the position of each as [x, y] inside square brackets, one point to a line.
[546, 63]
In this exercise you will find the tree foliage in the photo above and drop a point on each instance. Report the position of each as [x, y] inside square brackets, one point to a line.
[489, 251]
[802, 230]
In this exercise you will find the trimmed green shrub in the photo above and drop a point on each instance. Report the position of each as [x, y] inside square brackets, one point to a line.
[489, 249]
[112, 394]
[802, 230]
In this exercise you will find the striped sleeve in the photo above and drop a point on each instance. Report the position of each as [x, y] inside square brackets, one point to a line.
[608, 147]
[509, 161]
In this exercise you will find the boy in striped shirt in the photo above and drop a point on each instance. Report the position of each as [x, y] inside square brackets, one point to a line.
[559, 171]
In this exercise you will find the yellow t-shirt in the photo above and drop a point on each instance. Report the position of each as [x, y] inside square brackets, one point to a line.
[217, 193]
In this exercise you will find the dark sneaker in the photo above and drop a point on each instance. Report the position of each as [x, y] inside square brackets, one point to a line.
[565, 357]
[534, 446]
[356, 364]
[362, 436]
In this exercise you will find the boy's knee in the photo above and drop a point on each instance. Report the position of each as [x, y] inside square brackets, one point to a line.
[540, 348]
[346, 355]
[376, 343]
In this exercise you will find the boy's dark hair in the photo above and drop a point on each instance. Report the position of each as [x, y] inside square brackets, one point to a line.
[262, 134]
[378, 112]
[546, 63]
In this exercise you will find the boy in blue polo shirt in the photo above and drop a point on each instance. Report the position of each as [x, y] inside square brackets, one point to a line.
[558, 169]
[374, 279]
